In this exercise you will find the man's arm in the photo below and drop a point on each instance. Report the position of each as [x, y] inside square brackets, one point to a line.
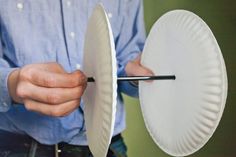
[47, 88]
[5, 70]
[44, 88]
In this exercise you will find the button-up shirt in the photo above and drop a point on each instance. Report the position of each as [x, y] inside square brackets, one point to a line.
[41, 31]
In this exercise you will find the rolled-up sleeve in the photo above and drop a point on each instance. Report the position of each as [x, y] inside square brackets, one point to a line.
[5, 70]
[130, 42]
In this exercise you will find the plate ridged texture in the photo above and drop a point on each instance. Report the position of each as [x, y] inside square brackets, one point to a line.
[181, 115]
[99, 97]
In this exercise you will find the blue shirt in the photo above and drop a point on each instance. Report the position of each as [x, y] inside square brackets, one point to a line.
[41, 31]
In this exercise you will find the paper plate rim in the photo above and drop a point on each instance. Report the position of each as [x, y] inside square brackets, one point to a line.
[224, 85]
[99, 7]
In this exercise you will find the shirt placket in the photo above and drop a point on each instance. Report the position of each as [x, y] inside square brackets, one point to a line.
[70, 34]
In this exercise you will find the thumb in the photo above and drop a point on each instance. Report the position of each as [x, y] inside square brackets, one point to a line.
[140, 70]
[136, 69]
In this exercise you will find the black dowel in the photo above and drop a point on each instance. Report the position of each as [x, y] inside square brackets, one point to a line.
[140, 78]
[90, 79]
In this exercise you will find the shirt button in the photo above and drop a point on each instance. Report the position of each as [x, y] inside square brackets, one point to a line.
[4, 104]
[20, 6]
[68, 3]
[109, 15]
[72, 35]
[78, 66]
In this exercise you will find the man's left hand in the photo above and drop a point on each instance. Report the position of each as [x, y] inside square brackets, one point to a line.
[134, 68]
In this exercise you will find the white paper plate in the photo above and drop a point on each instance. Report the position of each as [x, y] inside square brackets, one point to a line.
[181, 115]
[100, 97]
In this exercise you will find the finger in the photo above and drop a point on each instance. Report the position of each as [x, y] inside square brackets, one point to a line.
[53, 67]
[57, 80]
[143, 71]
[50, 95]
[52, 110]
[134, 69]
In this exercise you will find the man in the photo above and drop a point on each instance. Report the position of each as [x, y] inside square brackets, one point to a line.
[40, 88]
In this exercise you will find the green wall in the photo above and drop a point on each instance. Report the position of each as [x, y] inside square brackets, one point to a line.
[220, 15]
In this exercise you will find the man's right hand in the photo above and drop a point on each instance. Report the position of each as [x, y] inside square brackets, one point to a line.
[47, 88]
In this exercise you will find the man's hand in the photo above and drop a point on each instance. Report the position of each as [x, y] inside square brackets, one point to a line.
[47, 88]
[134, 68]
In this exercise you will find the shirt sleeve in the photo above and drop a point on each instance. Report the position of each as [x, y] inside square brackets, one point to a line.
[5, 70]
[130, 42]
